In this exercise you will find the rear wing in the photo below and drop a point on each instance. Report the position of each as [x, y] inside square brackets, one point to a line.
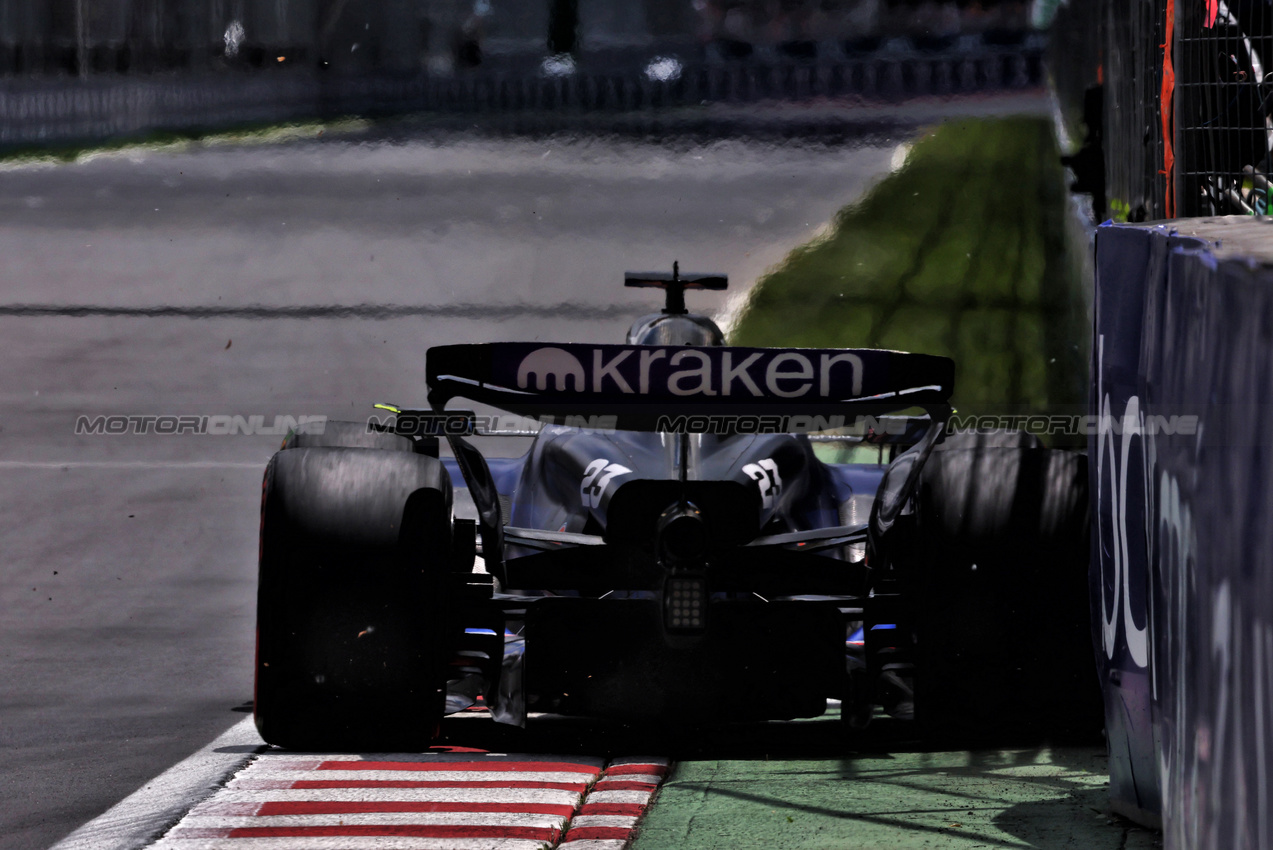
[687, 388]
[675, 284]
[689, 280]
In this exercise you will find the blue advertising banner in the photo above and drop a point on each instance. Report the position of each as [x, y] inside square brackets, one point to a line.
[1125, 270]
[1182, 573]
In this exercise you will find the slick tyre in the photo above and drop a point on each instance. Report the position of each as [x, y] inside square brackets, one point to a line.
[352, 629]
[999, 585]
[351, 435]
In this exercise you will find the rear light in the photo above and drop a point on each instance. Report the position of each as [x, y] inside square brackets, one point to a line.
[685, 603]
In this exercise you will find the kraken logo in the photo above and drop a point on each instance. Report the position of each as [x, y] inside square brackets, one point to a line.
[551, 363]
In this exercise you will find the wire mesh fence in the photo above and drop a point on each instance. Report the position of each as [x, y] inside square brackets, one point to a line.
[1182, 92]
[1223, 98]
[41, 111]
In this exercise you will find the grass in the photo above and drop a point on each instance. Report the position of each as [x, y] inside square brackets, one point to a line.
[962, 252]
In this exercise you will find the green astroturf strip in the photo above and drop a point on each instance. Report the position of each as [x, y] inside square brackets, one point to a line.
[964, 252]
[1039, 797]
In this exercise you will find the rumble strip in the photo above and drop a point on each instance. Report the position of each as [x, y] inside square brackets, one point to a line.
[444, 799]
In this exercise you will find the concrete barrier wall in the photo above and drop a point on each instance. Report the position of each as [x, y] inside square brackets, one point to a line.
[35, 111]
[1182, 568]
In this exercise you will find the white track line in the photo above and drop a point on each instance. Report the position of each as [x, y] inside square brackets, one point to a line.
[286, 777]
[545, 796]
[637, 778]
[378, 819]
[143, 816]
[368, 842]
[624, 821]
[307, 761]
[639, 797]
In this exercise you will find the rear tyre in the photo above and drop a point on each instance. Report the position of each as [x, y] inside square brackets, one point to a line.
[999, 586]
[352, 625]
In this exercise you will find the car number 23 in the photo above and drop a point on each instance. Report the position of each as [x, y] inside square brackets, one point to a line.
[596, 478]
[765, 473]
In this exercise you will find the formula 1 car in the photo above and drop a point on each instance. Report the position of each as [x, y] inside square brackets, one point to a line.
[671, 546]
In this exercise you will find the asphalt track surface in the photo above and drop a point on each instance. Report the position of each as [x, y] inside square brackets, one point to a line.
[296, 279]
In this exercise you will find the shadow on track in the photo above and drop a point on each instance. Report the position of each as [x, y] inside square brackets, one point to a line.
[819, 737]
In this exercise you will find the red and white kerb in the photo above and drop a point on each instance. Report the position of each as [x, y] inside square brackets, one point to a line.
[439, 800]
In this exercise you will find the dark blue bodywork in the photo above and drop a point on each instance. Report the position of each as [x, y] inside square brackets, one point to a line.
[542, 486]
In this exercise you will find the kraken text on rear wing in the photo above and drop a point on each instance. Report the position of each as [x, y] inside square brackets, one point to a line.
[687, 388]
